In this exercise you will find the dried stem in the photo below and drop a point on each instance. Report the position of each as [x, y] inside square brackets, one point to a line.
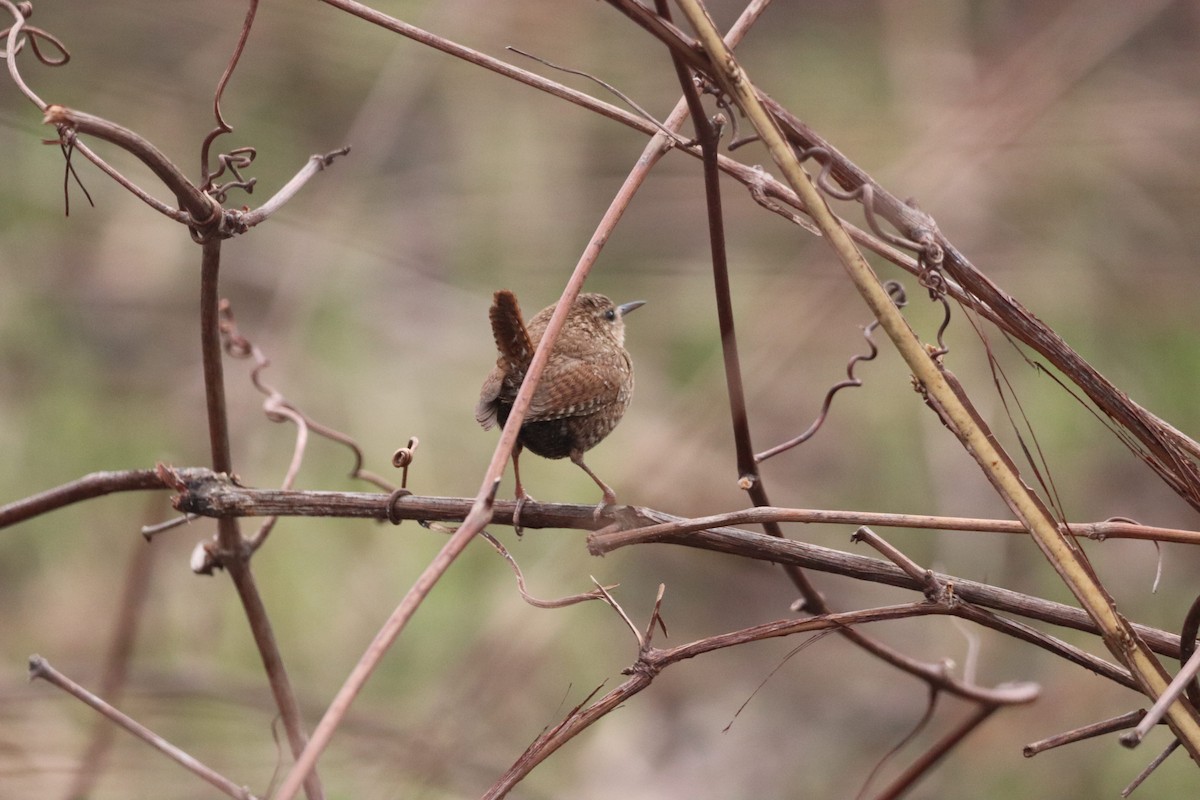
[40, 668]
[97, 484]
[749, 544]
[951, 405]
[202, 208]
[1179, 685]
[938, 751]
[482, 509]
[1101, 728]
[134, 594]
[207, 494]
[234, 555]
[651, 661]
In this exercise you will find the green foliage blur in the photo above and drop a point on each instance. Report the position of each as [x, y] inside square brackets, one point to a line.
[1056, 145]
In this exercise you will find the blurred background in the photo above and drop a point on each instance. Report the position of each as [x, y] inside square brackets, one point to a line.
[1057, 146]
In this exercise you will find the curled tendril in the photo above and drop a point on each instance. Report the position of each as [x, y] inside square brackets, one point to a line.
[222, 127]
[930, 253]
[931, 277]
[393, 508]
[403, 457]
[731, 112]
[233, 162]
[33, 35]
[895, 291]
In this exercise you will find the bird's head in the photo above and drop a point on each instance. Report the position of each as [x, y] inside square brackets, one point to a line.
[597, 312]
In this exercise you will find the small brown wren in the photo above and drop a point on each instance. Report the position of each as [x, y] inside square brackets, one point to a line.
[583, 392]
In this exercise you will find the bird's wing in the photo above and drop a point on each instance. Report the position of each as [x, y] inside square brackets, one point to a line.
[487, 408]
[578, 388]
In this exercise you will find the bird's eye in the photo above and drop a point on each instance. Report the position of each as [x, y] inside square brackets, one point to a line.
[610, 315]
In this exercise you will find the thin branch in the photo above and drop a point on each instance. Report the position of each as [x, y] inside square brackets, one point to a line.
[135, 588]
[213, 495]
[946, 397]
[1120, 723]
[938, 751]
[203, 209]
[651, 661]
[97, 484]
[482, 508]
[1176, 689]
[208, 495]
[1099, 531]
[1153, 765]
[759, 546]
[205, 493]
[314, 165]
[40, 668]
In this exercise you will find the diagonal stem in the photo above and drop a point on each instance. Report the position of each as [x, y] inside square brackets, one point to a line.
[953, 407]
[481, 510]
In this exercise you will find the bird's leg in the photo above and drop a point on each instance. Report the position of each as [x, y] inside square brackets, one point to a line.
[522, 495]
[610, 497]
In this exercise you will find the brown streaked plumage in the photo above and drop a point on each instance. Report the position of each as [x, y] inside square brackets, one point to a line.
[584, 390]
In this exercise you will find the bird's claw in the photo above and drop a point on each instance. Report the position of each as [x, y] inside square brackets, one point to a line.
[609, 500]
[516, 519]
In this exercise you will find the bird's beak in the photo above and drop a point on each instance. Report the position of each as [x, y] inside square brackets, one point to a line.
[625, 308]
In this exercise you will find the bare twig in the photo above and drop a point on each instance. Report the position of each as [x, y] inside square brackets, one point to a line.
[1153, 765]
[314, 165]
[767, 548]
[1124, 721]
[1174, 691]
[40, 668]
[134, 593]
[651, 661]
[482, 508]
[209, 494]
[893, 554]
[938, 751]
[203, 210]
[97, 484]
[946, 397]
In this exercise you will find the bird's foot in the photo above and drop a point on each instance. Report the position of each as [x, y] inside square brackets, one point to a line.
[522, 498]
[610, 499]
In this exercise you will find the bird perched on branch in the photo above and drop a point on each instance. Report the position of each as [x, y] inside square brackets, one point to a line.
[583, 392]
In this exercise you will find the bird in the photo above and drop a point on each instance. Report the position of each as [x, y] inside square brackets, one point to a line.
[583, 392]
